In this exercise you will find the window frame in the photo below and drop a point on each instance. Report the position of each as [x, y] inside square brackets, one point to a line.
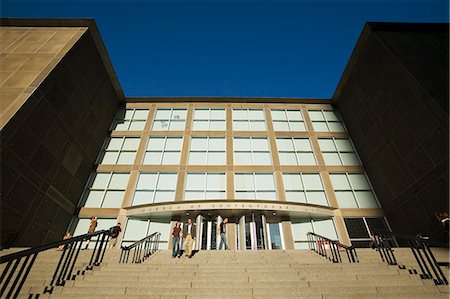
[205, 189]
[170, 120]
[252, 151]
[128, 119]
[295, 151]
[339, 152]
[163, 151]
[209, 119]
[287, 120]
[327, 121]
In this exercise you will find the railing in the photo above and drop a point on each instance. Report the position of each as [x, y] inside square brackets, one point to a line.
[8, 238]
[319, 243]
[13, 277]
[142, 249]
[420, 247]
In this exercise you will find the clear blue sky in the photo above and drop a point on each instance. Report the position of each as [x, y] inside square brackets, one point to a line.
[225, 48]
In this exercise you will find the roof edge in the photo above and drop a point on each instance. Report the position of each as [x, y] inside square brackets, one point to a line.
[362, 40]
[75, 22]
[187, 99]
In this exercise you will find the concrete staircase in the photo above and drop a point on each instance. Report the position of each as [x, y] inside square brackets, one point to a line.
[239, 274]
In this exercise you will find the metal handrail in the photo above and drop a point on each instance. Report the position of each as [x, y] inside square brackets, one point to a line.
[317, 244]
[421, 249]
[142, 249]
[14, 279]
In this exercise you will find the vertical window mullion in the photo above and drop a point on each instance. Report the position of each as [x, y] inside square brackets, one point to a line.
[106, 189]
[337, 151]
[304, 187]
[254, 184]
[205, 184]
[156, 186]
[207, 150]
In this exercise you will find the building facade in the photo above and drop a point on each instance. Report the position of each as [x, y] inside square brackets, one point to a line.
[73, 146]
[276, 170]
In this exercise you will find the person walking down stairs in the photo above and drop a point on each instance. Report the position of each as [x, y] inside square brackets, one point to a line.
[189, 234]
[176, 233]
[114, 233]
[91, 229]
[223, 234]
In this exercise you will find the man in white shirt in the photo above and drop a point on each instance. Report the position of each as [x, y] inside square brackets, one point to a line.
[189, 234]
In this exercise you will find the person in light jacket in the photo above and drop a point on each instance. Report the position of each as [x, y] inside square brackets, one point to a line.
[189, 234]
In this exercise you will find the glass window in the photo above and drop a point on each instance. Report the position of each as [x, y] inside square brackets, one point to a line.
[137, 229]
[305, 188]
[255, 186]
[106, 190]
[353, 191]
[205, 186]
[323, 227]
[154, 188]
[207, 151]
[325, 121]
[169, 120]
[338, 151]
[248, 120]
[102, 224]
[251, 151]
[360, 229]
[130, 120]
[287, 120]
[295, 151]
[209, 119]
[163, 150]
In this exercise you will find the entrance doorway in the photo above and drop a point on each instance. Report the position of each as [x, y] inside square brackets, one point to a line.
[255, 233]
[207, 232]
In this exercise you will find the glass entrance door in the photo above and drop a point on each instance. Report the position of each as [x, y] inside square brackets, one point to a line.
[208, 233]
[255, 233]
[253, 229]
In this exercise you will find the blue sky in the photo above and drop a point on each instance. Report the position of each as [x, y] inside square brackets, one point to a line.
[231, 48]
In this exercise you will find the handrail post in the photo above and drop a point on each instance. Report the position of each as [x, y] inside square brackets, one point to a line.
[443, 279]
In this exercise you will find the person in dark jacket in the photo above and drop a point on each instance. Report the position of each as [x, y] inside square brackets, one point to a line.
[223, 234]
[114, 233]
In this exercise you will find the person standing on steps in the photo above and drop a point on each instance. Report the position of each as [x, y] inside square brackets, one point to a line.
[176, 233]
[189, 234]
[223, 234]
[91, 229]
[114, 233]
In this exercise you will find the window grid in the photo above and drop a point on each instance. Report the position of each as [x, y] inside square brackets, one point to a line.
[249, 120]
[106, 196]
[253, 155]
[209, 119]
[207, 192]
[360, 197]
[163, 155]
[300, 151]
[315, 196]
[167, 119]
[338, 151]
[158, 193]
[287, 120]
[325, 121]
[208, 155]
[130, 120]
[255, 193]
[119, 150]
